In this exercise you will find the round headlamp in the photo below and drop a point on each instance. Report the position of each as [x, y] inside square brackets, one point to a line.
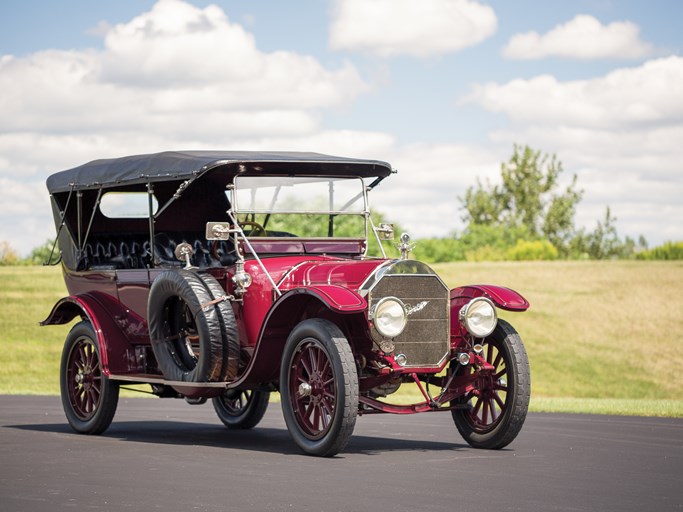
[479, 317]
[389, 317]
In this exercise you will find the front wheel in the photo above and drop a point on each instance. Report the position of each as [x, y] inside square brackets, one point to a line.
[319, 387]
[495, 410]
[241, 409]
[89, 398]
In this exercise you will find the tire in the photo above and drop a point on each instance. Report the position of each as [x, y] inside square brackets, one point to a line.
[226, 318]
[194, 338]
[319, 387]
[496, 410]
[89, 398]
[241, 409]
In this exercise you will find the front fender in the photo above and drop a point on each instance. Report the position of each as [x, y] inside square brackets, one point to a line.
[97, 308]
[287, 311]
[335, 297]
[504, 298]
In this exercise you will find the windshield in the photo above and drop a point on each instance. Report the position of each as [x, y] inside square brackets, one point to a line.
[301, 194]
[300, 206]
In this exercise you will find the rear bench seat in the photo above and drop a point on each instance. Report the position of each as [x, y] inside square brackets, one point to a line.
[129, 251]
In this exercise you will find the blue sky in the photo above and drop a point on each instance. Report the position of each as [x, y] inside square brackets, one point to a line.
[442, 92]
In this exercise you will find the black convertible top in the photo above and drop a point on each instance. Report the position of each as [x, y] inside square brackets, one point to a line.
[178, 165]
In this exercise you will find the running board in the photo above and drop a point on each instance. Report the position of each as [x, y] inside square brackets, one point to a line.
[146, 379]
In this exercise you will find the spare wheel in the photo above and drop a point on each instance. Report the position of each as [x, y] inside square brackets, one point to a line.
[191, 329]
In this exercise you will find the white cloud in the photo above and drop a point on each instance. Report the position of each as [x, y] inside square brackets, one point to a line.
[175, 69]
[177, 76]
[583, 37]
[424, 196]
[621, 133]
[639, 96]
[407, 27]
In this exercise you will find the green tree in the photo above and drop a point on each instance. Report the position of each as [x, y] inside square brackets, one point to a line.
[529, 197]
[40, 255]
[604, 243]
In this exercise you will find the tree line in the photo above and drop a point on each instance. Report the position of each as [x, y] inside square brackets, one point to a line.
[529, 215]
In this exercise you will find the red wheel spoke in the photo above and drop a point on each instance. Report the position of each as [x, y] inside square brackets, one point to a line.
[316, 417]
[308, 411]
[306, 365]
[499, 401]
[325, 414]
[477, 406]
[88, 402]
[321, 362]
[312, 373]
[494, 414]
[313, 359]
[81, 359]
[496, 362]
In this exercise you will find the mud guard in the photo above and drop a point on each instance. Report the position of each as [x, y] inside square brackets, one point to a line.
[335, 297]
[98, 309]
[504, 298]
[284, 314]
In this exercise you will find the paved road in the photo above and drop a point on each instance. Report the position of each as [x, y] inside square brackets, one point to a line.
[168, 455]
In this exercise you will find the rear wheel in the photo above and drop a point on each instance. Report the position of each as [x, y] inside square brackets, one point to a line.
[319, 387]
[495, 410]
[89, 398]
[241, 409]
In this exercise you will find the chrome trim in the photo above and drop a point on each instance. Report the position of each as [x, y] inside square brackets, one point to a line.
[292, 269]
[401, 269]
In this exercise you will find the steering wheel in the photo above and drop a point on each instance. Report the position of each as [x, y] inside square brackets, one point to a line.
[255, 228]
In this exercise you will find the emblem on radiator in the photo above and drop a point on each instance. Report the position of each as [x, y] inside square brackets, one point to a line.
[414, 309]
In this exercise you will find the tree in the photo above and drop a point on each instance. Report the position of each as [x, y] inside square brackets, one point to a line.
[604, 242]
[8, 256]
[527, 199]
[41, 254]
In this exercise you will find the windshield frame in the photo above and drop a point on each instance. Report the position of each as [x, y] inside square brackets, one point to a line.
[235, 210]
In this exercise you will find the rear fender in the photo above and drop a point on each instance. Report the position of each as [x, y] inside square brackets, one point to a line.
[98, 309]
[290, 309]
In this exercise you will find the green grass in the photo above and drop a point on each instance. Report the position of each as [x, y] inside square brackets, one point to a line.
[29, 354]
[615, 406]
[595, 329]
[602, 337]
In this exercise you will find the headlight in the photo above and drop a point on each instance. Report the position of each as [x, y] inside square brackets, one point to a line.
[479, 317]
[389, 316]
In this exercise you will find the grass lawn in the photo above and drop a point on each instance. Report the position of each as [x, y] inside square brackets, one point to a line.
[602, 337]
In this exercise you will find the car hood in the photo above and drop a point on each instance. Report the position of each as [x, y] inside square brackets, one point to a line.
[350, 274]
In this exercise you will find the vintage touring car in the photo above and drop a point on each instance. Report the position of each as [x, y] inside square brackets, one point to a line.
[229, 275]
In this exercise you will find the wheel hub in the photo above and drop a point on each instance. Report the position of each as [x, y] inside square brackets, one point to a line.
[305, 389]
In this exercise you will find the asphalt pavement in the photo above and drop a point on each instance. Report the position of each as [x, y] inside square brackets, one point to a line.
[164, 454]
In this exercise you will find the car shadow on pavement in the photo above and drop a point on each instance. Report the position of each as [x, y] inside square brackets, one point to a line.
[261, 439]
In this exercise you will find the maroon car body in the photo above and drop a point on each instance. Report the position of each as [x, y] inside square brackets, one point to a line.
[230, 275]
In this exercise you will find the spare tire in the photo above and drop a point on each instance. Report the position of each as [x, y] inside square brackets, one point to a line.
[226, 318]
[192, 331]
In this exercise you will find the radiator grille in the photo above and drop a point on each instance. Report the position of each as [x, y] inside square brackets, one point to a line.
[426, 338]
